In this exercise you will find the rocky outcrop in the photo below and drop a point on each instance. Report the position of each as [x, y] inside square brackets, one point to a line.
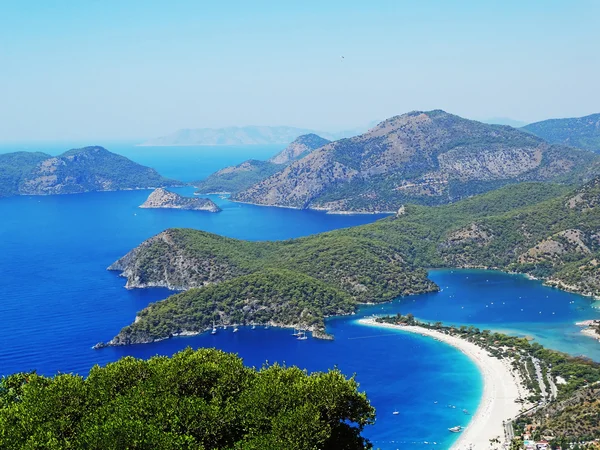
[420, 157]
[557, 246]
[301, 147]
[161, 198]
[177, 268]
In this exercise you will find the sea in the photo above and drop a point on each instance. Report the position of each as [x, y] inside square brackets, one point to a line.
[57, 299]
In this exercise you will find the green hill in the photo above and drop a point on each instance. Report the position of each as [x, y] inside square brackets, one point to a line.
[581, 132]
[78, 170]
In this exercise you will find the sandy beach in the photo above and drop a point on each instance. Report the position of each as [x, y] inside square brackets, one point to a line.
[501, 389]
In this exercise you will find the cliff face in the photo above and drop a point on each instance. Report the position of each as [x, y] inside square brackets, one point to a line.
[301, 147]
[161, 198]
[581, 132]
[81, 170]
[419, 157]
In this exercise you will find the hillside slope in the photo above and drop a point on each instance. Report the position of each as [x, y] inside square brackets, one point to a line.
[581, 132]
[420, 157]
[244, 175]
[79, 170]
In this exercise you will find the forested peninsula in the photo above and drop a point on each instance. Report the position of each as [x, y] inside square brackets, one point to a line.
[544, 230]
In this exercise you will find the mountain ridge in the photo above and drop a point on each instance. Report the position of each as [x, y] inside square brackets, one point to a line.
[580, 132]
[419, 157]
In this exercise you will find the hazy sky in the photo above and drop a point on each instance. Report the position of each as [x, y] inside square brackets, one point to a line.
[123, 69]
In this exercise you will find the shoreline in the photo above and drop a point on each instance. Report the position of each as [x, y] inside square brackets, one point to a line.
[501, 388]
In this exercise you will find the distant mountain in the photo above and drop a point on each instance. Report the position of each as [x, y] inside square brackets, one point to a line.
[250, 135]
[421, 157]
[505, 121]
[244, 175]
[581, 132]
[79, 170]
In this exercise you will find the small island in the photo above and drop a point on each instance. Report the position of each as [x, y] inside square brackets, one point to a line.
[161, 198]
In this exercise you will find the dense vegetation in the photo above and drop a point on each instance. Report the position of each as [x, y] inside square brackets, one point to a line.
[371, 263]
[75, 171]
[277, 297]
[237, 178]
[14, 167]
[204, 399]
[581, 132]
[296, 282]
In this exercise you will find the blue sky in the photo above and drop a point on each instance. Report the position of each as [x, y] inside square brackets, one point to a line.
[107, 69]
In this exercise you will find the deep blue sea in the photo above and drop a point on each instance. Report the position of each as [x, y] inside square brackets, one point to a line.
[57, 299]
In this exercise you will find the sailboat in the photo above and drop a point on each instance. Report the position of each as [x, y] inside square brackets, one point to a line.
[214, 330]
[235, 329]
[296, 333]
[302, 336]
[253, 327]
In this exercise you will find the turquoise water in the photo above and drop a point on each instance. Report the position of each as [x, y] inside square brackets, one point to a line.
[57, 300]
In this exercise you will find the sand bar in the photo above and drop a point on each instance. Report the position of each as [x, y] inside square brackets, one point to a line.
[501, 388]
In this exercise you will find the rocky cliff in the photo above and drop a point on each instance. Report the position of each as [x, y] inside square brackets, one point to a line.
[421, 157]
[161, 198]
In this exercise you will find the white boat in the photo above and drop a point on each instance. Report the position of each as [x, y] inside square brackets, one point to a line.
[214, 330]
[235, 329]
[254, 327]
[456, 429]
[395, 413]
[296, 333]
[302, 336]
[266, 327]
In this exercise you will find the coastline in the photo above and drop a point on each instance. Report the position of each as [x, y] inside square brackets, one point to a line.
[501, 388]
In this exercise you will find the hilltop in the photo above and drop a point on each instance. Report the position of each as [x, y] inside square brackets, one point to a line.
[75, 171]
[252, 171]
[581, 132]
[420, 157]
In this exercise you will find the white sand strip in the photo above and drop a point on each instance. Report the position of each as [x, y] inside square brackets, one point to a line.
[501, 388]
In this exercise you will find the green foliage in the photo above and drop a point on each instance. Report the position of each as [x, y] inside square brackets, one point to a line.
[14, 167]
[204, 399]
[272, 295]
[582, 132]
[238, 178]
